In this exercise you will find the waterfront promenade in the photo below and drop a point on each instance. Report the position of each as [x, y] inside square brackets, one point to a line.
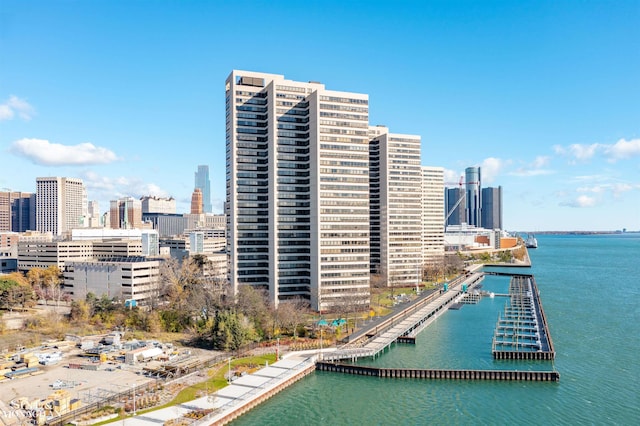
[241, 395]
[409, 322]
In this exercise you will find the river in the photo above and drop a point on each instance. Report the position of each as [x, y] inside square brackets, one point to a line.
[590, 291]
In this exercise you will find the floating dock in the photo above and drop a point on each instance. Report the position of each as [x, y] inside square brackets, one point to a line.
[521, 331]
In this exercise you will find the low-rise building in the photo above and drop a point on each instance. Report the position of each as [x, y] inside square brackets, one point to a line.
[121, 278]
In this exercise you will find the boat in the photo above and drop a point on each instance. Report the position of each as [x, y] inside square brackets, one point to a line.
[531, 241]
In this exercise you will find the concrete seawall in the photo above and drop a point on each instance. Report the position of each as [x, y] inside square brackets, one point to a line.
[253, 402]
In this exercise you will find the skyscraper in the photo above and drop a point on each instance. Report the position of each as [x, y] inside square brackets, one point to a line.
[396, 206]
[492, 208]
[204, 184]
[297, 190]
[196, 201]
[61, 204]
[473, 196]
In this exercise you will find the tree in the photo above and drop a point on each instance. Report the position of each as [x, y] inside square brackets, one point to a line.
[291, 313]
[15, 291]
[377, 282]
[231, 330]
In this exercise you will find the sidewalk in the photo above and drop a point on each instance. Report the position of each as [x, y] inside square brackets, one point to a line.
[240, 396]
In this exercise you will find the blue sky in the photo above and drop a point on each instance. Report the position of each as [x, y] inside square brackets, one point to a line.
[129, 95]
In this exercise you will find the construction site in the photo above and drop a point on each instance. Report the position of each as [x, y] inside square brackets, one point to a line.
[64, 380]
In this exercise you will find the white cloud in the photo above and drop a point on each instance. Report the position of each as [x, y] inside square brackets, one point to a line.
[452, 178]
[112, 188]
[621, 150]
[43, 152]
[581, 201]
[16, 106]
[616, 189]
[536, 168]
[490, 168]
[541, 161]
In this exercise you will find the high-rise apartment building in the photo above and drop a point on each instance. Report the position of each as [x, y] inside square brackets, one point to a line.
[297, 190]
[202, 181]
[17, 211]
[396, 206]
[61, 204]
[432, 214]
[492, 208]
[196, 201]
[473, 196]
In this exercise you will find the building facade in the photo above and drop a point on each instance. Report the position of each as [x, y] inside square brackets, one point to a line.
[61, 204]
[121, 278]
[158, 205]
[455, 206]
[196, 201]
[297, 190]
[17, 211]
[204, 184]
[492, 208]
[432, 214]
[396, 206]
[125, 213]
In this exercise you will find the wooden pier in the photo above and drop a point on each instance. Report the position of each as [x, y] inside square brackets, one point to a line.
[438, 374]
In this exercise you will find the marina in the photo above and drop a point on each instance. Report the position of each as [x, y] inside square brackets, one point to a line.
[521, 331]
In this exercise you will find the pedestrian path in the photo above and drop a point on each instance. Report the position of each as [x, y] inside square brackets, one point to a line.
[241, 395]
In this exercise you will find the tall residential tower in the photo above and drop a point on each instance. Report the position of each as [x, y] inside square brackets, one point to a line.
[297, 188]
[396, 206]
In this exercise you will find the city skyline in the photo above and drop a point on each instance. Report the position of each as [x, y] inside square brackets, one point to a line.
[128, 96]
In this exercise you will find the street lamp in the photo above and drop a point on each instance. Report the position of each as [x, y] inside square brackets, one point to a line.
[134, 398]
[229, 373]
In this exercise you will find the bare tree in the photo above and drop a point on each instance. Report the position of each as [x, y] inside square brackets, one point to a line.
[291, 313]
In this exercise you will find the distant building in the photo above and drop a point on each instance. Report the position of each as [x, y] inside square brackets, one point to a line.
[166, 224]
[196, 242]
[473, 184]
[94, 219]
[432, 214]
[121, 278]
[196, 201]
[492, 208]
[17, 211]
[39, 254]
[126, 213]
[204, 184]
[61, 204]
[455, 206]
[158, 205]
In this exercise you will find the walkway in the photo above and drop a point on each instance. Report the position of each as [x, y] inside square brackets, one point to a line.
[408, 325]
[241, 395]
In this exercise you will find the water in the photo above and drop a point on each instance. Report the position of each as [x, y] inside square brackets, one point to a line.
[589, 289]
